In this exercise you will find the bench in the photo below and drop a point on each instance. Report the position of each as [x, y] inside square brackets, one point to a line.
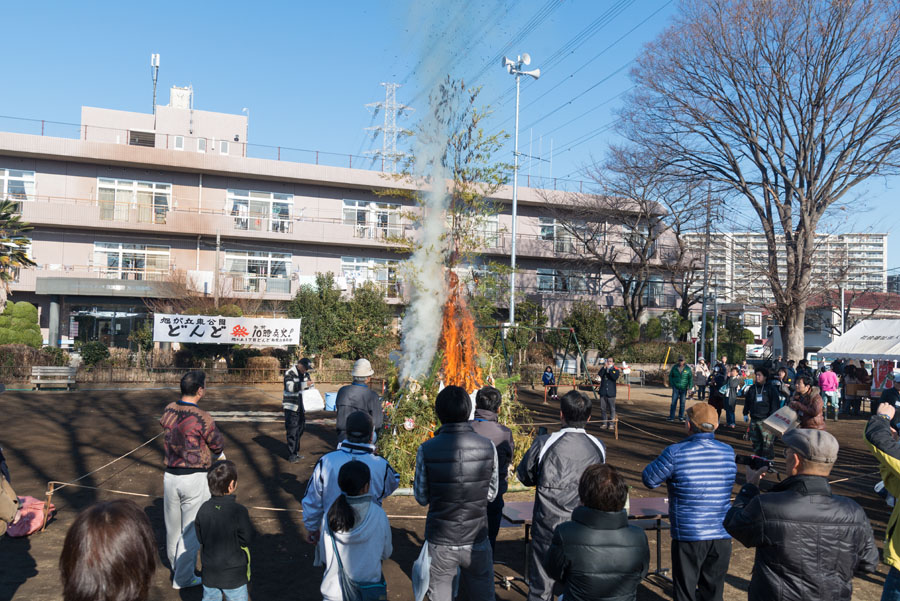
[43, 375]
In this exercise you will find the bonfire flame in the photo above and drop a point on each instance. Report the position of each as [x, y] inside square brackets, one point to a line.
[460, 363]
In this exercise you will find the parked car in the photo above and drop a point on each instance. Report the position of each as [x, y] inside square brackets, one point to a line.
[758, 351]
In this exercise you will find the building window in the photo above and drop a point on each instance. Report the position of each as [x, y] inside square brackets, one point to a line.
[488, 230]
[653, 292]
[142, 138]
[223, 147]
[116, 197]
[16, 185]
[383, 272]
[259, 271]
[375, 220]
[752, 320]
[260, 211]
[179, 142]
[119, 261]
[560, 280]
[201, 144]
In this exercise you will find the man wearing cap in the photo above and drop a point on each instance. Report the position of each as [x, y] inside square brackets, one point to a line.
[296, 380]
[699, 475]
[809, 542]
[681, 379]
[322, 490]
[358, 397]
[880, 434]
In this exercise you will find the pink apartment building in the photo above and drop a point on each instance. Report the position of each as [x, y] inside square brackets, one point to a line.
[125, 199]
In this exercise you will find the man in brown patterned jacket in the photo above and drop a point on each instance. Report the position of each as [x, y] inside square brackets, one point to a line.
[191, 441]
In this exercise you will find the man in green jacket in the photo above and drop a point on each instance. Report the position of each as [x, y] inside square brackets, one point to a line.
[681, 379]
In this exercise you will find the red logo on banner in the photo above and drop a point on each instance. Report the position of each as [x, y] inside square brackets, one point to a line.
[239, 331]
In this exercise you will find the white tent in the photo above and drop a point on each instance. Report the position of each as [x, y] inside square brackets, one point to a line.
[875, 339]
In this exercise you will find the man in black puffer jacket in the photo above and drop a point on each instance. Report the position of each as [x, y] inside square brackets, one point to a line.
[456, 476]
[809, 542]
[598, 556]
[554, 464]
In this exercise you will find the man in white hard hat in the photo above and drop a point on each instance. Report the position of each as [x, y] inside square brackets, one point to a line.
[358, 397]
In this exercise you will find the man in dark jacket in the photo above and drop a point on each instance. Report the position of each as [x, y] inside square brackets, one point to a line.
[487, 403]
[223, 529]
[598, 556]
[699, 475]
[608, 376]
[456, 476]
[296, 380]
[358, 397]
[554, 464]
[809, 542]
[760, 401]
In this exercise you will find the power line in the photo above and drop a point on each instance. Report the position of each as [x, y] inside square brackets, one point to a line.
[594, 58]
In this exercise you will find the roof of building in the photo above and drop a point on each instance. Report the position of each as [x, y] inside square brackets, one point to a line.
[856, 299]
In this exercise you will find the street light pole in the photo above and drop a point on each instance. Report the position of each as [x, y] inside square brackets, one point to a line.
[515, 68]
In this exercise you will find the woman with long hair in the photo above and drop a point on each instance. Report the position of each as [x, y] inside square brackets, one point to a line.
[357, 536]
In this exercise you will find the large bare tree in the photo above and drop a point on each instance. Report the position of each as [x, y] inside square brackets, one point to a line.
[787, 104]
[633, 227]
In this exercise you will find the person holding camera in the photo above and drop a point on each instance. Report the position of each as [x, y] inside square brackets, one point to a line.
[881, 435]
[800, 527]
[699, 474]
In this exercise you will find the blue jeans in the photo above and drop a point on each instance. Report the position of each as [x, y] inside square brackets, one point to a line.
[230, 594]
[891, 590]
[729, 414]
[676, 395]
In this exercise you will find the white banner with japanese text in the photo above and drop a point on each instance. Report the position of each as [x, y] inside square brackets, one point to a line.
[214, 329]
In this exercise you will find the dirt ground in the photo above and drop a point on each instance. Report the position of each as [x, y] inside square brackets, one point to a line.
[61, 436]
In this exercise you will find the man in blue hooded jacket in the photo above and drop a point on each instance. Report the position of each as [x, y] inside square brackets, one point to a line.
[699, 474]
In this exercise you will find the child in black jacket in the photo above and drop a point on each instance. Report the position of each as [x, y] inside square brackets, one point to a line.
[223, 528]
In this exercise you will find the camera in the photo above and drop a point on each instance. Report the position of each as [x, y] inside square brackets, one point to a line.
[755, 462]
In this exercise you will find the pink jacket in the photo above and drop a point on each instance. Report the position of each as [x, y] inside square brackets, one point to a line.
[828, 381]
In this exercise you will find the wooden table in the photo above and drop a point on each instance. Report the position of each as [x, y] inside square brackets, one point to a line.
[651, 509]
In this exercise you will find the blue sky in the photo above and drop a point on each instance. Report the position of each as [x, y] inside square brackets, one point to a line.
[307, 69]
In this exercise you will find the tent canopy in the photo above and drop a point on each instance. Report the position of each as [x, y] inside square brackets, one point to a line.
[876, 339]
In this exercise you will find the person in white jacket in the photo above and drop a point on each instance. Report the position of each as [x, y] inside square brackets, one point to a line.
[358, 530]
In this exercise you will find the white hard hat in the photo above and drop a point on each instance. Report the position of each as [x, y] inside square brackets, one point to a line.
[362, 369]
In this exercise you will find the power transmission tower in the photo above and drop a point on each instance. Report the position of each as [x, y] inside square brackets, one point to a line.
[389, 131]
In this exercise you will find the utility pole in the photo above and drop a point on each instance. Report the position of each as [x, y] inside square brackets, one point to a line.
[389, 131]
[516, 68]
[843, 309]
[216, 272]
[715, 320]
[154, 74]
[706, 275]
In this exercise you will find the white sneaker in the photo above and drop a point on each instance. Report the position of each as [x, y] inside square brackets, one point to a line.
[195, 581]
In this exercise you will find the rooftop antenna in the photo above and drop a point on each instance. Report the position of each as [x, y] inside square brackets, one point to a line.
[154, 74]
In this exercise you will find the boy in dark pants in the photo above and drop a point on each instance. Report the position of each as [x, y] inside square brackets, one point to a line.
[224, 530]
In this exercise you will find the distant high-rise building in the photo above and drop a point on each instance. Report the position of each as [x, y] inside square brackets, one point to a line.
[738, 262]
[893, 284]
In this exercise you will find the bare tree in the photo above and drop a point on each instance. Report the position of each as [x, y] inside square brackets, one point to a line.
[787, 104]
[634, 228]
[181, 294]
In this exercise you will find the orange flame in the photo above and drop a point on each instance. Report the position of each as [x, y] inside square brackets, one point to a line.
[460, 363]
